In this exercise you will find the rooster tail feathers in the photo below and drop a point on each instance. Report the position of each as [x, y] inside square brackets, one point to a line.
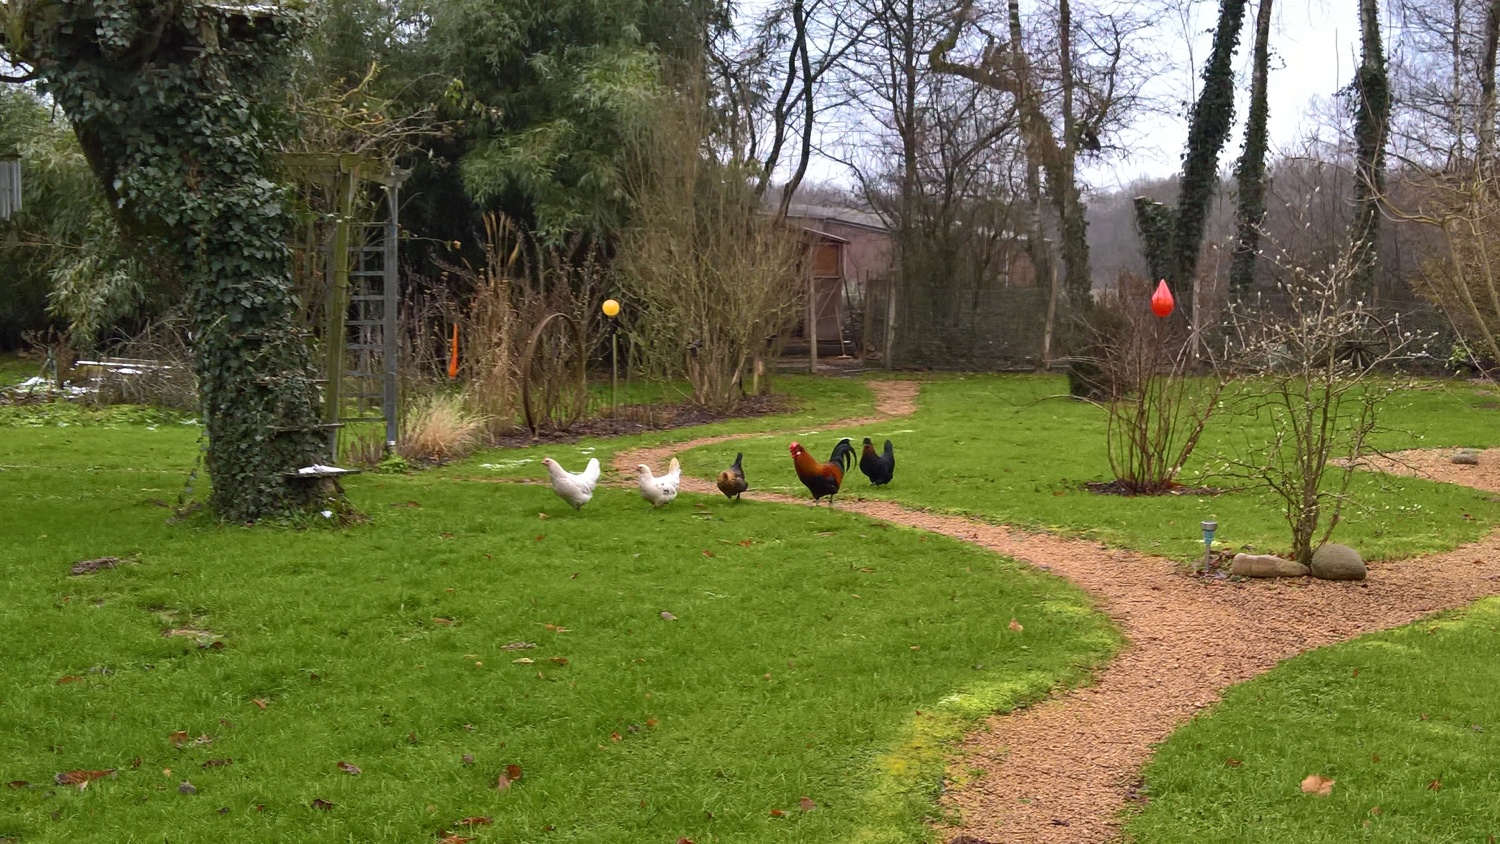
[674, 467]
[591, 472]
[843, 454]
[890, 452]
[735, 466]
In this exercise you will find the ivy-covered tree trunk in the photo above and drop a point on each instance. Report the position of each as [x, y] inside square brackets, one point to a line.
[1208, 128]
[1371, 95]
[1251, 171]
[168, 98]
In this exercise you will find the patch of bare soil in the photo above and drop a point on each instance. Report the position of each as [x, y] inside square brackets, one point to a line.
[1063, 770]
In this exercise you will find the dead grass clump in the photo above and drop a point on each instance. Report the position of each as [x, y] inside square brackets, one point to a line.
[439, 427]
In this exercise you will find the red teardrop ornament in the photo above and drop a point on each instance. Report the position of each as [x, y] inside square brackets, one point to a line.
[1161, 301]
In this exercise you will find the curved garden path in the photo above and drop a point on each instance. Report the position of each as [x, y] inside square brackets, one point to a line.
[1062, 770]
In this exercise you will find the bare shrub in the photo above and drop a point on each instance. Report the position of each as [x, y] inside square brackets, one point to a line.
[438, 427]
[1463, 278]
[710, 282]
[519, 284]
[154, 367]
[1138, 368]
[1316, 357]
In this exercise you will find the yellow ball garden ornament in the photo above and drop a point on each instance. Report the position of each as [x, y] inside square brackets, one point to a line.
[611, 308]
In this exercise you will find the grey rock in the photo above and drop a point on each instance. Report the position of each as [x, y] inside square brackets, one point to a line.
[1337, 562]
[1466, 457]
[1266, 565]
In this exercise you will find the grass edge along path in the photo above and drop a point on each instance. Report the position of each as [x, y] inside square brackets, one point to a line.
[1065, 770]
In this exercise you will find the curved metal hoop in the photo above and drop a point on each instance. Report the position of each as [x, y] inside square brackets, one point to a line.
[532, 422]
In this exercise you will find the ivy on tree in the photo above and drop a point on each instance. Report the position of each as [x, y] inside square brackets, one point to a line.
[168, 99]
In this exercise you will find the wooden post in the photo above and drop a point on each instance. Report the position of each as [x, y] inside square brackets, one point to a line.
[864, 334]
[812, 324]
[1051, 320]
[890, 323]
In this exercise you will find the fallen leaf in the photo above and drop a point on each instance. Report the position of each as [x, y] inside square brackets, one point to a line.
[777, 813]
[136, 762]
[513, 771]
[1016, 626]
[615, 736]
[502, 782]
[825, 533]
[18, 784]
[650, 723]
[1317, 784]
[746, 543]
[218, 763]
[179, 738]
[348, 768]
[446, 535]
[517, 646]
[554, 628]
[90, 566]
[1374, 810]
[708, 553]
[483, 820]
[1232, 763]
[540, 537]
[454, 839]
[70, 678]
[560, 660]
[321, 804]
[187, 788]
[668, 616]
[1435, 785]
[684, 840]
[543, 516]
[525, 660]
[468, 759]
[259, 701]
[806, 804]
[1374, 758]
[445, 622]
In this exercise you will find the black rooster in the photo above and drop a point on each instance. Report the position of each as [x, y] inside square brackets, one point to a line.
[878, 467]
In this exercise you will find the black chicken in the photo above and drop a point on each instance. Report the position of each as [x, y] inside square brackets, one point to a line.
[878, 467]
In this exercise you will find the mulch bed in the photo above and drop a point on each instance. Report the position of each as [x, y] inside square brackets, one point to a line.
[637, 419]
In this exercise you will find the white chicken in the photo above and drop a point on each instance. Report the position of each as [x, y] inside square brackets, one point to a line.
[660, 490]
[574, 488]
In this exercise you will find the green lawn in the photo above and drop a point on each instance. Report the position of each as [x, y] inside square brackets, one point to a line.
[809, 654]
[1406, 723]
[1013, 450]
[812, 655]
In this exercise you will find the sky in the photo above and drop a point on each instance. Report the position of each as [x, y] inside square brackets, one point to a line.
[1315, 51]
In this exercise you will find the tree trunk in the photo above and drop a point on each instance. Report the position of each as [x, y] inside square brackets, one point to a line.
[1208, 129]
[1372, 111]
[168, 110]
[1251, 172]
[1486, 117]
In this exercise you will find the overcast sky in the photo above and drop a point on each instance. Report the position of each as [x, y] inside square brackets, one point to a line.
[1315, 52]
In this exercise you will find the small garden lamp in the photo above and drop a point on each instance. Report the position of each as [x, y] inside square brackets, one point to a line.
[611, 309]
[1208, 542]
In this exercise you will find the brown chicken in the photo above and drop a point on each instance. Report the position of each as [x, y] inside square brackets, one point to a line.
[823, 479]
[731, 481]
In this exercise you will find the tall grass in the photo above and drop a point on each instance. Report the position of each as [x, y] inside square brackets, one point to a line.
[439, 427]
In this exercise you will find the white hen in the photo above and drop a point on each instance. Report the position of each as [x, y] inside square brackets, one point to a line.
[660, 490]
[576, 489]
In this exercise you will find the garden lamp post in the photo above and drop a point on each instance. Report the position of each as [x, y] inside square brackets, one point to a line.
[611, 309]
[1208, 543]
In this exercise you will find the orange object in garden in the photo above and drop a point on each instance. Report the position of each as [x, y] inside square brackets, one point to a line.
[453, 354]
[1161, 301]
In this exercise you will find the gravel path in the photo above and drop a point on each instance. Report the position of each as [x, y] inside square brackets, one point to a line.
[1061, 771]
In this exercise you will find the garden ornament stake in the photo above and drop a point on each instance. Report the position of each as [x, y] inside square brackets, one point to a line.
[1208, 543]
[453, 354]
[1161, 301]
[611, 309]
